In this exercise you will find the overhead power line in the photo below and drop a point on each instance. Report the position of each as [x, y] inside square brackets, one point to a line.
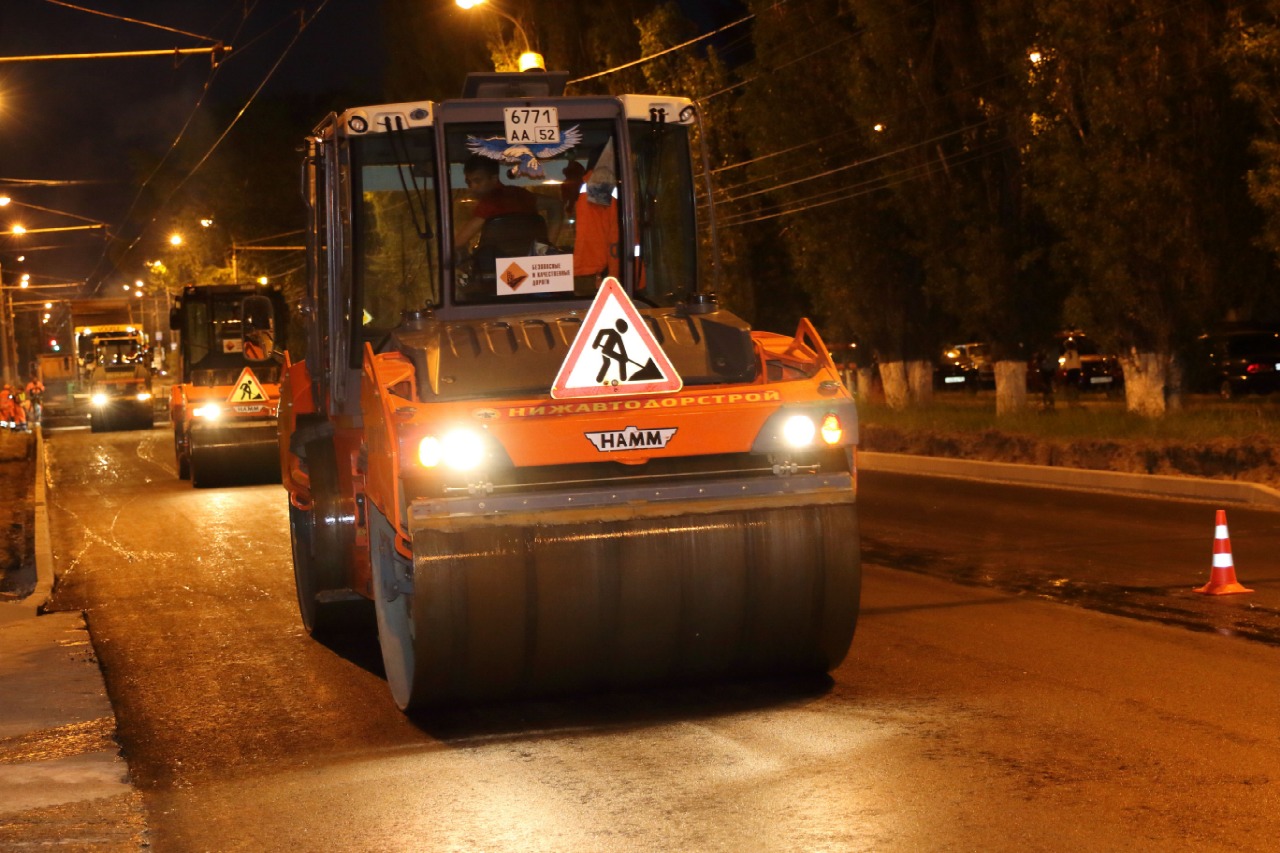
[660, 53]
[129, 20]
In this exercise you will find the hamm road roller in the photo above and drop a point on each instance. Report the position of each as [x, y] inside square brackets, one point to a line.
[119, 378]
[223, 405]
[526, 431]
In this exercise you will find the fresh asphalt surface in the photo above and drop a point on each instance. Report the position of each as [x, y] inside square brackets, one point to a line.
[982, 714]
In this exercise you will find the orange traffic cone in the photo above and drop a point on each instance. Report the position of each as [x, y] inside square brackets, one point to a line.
[1222, 579]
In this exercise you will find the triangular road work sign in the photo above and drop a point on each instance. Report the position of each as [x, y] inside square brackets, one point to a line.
[247, 389]
[614, 353]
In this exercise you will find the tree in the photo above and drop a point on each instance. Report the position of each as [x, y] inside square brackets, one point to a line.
[1129, 126]
[1252, 54]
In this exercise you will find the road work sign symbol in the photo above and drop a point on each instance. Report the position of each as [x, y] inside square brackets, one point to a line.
[247, 389]
[614, 353]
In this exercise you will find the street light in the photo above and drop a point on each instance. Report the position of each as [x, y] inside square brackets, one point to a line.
[530, 60]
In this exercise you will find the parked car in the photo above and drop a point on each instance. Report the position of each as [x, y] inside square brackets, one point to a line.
[964, 366]
[1098, 371]
[1236, 361]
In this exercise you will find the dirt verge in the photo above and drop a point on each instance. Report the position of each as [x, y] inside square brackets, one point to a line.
[1254, 461]
[17, 513]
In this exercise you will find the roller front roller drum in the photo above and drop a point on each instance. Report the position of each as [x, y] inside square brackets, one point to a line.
[551, 603]
[233, 453]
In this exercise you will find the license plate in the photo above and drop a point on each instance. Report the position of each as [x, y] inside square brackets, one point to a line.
[951, 380]
[1099, 380]
[532, 124]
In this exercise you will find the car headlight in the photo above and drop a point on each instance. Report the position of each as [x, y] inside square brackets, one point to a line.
[99, 399]
[143, 396]
[459, 449]
[208, 412]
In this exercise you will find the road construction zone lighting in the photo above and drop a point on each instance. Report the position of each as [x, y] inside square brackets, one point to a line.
[460, 449]
[208, 412]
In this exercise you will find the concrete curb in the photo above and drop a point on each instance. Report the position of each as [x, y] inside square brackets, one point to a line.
[63, 781]
[1150, 485]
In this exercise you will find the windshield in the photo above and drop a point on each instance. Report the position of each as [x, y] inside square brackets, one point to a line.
[117, 353]
[663, 177]
[394, 226]
[1245, 346]
[533, 221]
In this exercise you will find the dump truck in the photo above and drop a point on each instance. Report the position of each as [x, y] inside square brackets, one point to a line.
[115, 367]
[226, 393]
[526, 430]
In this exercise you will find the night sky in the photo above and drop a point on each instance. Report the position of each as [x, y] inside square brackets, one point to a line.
[89, 121]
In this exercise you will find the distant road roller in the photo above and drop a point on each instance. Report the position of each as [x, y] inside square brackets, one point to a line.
[523, 430]
[119, 378]
[224, 404]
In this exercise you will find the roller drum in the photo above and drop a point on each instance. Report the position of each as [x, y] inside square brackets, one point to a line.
[231, 454]
[540, 608]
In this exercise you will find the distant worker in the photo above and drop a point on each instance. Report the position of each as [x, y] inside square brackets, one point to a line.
[34, 402]
[11, 412]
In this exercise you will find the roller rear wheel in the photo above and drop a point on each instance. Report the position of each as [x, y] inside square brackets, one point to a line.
[180, 454]
[320, 541]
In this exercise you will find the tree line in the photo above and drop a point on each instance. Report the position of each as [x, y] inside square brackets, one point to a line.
[912, 173]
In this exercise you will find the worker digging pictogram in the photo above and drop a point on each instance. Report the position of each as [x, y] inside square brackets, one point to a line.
[614, 353]
[247, 389]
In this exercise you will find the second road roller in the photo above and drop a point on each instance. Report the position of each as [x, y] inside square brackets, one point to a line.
[526, 431]
[226, 395]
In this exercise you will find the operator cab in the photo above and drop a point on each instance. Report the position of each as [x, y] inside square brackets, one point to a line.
[488, 206]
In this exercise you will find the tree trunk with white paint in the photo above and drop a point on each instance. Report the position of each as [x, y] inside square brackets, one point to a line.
[893, 376]
[1145, 377]
[1011, 387]
[866, 382]
[920, 382]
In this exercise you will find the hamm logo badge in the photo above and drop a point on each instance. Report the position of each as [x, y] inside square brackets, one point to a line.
[630, 438]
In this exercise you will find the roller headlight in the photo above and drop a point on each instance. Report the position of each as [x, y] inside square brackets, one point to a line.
[143, 396]
[460, 449]
[208, 412]
[799, 430]
[99, 399]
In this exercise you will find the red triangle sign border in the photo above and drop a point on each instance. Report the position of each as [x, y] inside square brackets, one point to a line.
[612, 291]
[240, 381]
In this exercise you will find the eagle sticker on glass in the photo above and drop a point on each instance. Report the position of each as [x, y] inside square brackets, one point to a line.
[614, 353]
[532, 134]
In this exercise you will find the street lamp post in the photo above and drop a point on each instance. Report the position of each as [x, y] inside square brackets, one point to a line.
[529, 59]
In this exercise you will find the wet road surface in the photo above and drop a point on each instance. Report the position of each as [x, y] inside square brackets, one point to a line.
[969, 716]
